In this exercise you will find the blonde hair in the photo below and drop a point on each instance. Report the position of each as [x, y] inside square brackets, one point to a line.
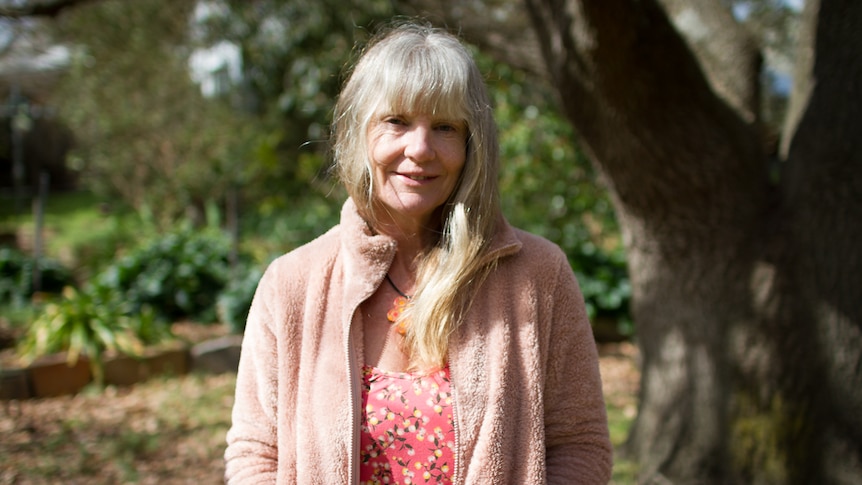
[418, 68]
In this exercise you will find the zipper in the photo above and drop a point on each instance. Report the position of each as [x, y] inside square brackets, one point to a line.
[456, 466]
[352, 475]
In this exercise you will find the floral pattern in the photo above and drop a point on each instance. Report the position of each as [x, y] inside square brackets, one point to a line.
[408, 435]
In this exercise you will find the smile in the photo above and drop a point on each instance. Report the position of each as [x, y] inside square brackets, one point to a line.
[417, 178]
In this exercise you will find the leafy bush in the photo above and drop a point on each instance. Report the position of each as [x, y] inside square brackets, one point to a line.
[604, 282]
[16, 276]
[90, 323]
[179, 275]
[130, 304]
[235, 301]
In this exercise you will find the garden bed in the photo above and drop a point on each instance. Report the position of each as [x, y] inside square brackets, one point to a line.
[52, 375]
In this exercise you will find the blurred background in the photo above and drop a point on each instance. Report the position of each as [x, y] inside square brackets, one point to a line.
[155, 155]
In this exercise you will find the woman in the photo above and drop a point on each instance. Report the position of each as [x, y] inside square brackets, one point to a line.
[423, 339]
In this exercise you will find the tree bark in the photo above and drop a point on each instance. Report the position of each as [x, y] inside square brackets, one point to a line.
[677, 160]
[725, 49]
[823, 190]
[741, 285]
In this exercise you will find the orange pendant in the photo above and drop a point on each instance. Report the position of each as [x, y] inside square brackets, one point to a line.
[392, 315]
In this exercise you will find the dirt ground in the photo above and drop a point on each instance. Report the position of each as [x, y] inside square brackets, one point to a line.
[166, 431]
[619, 365]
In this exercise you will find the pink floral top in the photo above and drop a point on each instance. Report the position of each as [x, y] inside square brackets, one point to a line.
[407, 434]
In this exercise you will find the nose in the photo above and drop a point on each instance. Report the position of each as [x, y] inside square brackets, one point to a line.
[419, 144]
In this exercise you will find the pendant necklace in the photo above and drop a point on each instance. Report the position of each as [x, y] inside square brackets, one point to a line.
[398, 306]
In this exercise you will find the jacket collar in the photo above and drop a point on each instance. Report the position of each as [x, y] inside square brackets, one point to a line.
[367, 255]
[505, 241]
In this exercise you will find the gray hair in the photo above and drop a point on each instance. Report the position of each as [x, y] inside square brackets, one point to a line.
[410, 69]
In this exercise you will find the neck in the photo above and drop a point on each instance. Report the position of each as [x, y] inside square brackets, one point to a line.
[413, 235]
[411, 247]
[404, 266]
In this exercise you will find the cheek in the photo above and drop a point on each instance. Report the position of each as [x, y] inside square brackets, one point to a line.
[456, 157]
[381, 152]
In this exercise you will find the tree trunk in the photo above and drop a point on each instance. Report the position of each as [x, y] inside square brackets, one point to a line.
[823, 191]
[742, 286]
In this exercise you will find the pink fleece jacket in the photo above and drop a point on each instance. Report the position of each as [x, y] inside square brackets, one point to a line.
[524, 368]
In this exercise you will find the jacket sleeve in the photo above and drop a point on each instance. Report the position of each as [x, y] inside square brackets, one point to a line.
[252, 448]
[578, 447]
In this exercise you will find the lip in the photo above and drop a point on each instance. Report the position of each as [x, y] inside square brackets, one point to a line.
[417, 177]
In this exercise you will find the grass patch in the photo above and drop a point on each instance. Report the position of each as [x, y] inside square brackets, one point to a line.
[620, 382]
[62, 211]
[620, 419]
[80, 229]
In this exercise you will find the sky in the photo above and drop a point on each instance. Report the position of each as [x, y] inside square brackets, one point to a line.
[742, 9]
[795, 4]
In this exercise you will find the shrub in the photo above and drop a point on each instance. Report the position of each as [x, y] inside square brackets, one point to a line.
[16, 276]
[90, 323]
[604, 282]
[179, 275]
[235, 301]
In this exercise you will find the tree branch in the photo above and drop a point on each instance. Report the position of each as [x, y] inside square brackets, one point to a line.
[41, 9]
[728, 54]
[499, 28]
[641, 103]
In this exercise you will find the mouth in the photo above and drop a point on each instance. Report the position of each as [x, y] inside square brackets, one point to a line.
[417, 178]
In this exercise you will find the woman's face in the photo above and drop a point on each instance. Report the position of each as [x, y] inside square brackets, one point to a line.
[416, 160]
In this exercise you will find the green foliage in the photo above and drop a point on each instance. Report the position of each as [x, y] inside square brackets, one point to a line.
[234, 302]
[83, 229]
[293, 55]
[145, 134]
[179, 275]
[293, 51]
[619, 424]
[16, 276]
[90, 323]
[280, 227]
[603, 277]
[128, 305]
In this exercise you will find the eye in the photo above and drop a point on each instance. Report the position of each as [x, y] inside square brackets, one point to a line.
[394, 120]
[449, 127]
